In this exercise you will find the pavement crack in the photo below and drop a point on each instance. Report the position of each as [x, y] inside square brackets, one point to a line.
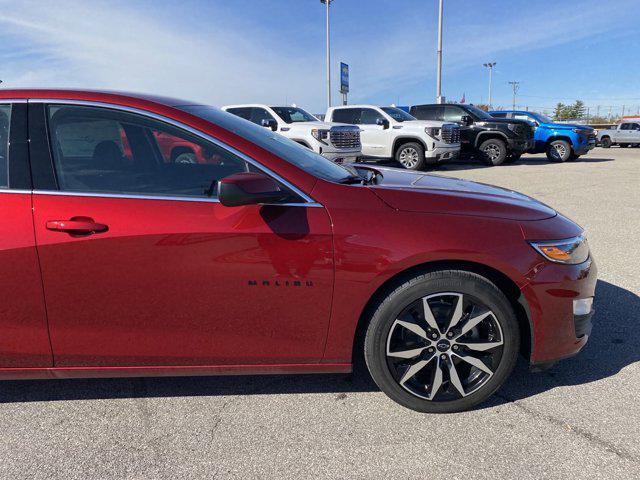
[586, 435]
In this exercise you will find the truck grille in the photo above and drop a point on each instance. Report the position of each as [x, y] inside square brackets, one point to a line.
[450, 133]
[345, 137]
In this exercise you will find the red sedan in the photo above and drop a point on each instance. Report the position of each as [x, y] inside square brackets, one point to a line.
[270, 259]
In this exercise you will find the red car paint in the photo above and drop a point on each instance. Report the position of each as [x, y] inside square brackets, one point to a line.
[193, 287]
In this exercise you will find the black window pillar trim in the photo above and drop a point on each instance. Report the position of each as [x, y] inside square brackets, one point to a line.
[42, 171]
[19, 170]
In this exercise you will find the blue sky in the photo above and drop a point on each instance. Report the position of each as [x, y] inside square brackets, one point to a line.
[231, 51]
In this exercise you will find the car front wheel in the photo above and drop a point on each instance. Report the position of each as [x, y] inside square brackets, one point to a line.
[442, 342]
[411, 156]
[493, 151]
[605, 142]
[559, 151]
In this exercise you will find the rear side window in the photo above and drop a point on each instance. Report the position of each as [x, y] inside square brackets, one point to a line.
[5, 122]
[427, 112]
[347, 115]
[100, 150]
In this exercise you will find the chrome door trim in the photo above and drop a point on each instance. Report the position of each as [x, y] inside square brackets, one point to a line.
[15, 190]
[198, 133]
[175, 198]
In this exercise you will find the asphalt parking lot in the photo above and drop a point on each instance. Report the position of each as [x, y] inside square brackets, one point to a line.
[579, 420]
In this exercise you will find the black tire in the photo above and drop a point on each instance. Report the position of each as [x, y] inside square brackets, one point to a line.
[493, 152]
[513, 157]
[605, 142]
[559, 151]
[384, 326]
[411, 156]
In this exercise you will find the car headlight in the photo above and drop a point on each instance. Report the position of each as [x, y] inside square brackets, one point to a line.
[570, 251]
[433, 132]
[320, 134]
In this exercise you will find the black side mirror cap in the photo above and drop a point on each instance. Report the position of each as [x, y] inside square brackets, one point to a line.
[249, 188]
[269, 123]
[383, 122]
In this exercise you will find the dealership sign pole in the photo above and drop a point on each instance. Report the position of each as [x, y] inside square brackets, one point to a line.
[344, 81]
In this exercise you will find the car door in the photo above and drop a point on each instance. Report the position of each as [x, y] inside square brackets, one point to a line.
[378, 137]
[141, 265]
[24, 337]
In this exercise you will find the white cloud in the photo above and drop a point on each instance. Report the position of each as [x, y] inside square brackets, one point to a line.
[132, 46]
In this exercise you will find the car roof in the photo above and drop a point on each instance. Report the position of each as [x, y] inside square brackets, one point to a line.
[106, 96]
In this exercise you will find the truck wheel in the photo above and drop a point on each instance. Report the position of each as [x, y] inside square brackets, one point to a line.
[605, 142]
[493, 151]
[559, 151]
[411, 156]
[442, 342]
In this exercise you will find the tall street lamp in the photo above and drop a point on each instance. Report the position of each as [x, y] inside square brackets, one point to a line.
[328, 3]
[490, 66]
[439, 98]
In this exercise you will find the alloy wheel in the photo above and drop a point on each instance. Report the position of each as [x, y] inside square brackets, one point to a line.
[560, 150]
[444, 346]
[409, 157]
[492, 151]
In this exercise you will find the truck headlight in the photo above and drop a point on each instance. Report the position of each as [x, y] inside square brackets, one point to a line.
[515, 128]
[320, 134]
[570, 251]
[433, 132]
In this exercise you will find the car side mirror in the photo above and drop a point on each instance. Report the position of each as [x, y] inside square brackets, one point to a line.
[249, 188]
[382, 122]
[269, 123]
[466, 120]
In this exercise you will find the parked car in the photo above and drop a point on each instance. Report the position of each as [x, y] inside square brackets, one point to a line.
[271, 260]
[626, 134]
[336, 141]
[493, 140]
[560, 141]
[388, 132]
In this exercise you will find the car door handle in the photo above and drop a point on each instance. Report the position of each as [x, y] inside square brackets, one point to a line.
[77, 226]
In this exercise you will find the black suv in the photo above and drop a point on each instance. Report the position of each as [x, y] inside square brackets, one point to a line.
[494, 140]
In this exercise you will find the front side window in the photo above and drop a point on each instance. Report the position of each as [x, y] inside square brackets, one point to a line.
[369, 116]
[100, 150]
[5, 122]
[625, 126]
[294, 115]
[259, 114]
[452, 114]
[277, 144]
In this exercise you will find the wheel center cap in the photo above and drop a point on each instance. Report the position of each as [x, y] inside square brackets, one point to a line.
[443, 345]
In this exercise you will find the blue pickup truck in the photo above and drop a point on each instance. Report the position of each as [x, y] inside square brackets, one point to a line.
[560, 141]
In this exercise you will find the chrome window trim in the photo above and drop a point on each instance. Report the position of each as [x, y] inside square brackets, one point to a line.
[175, 198]
[16, 190]
[12, 100]
[114, 106]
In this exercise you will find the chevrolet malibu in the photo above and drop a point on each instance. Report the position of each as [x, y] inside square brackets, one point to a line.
[264, 257]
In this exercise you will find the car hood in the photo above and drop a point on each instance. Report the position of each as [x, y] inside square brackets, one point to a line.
[419, 192]
[566, 126]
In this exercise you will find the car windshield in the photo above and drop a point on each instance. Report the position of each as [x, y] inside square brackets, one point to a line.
[288, 150]
[397, 114]
[541, 118]
[481, 114]
[293, 114]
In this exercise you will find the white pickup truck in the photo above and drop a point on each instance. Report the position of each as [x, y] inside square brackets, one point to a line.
[336, 141]
[389, 132]
[627, 133]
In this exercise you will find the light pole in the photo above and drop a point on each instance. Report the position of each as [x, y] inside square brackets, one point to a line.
[515, 85]
[328, 3]
[439, 98]
[490, 66]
